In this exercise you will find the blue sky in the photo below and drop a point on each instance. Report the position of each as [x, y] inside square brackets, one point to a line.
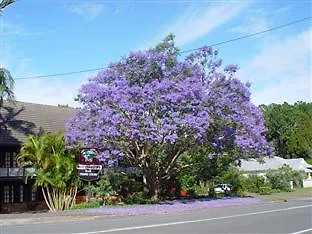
[46, 37]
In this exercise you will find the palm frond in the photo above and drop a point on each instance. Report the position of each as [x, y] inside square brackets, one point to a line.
[6, 85]
[5, 3]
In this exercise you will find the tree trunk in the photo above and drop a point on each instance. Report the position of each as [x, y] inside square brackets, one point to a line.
[57, 199]
[151, 180]
[155, 189]
[156, 171]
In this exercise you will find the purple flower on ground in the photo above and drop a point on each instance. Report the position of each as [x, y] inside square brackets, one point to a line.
[175, 206]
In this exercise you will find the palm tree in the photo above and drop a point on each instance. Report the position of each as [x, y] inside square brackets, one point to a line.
[6, 86]
[6, 80]
[6, 91]
[54, 169]
[5, 3]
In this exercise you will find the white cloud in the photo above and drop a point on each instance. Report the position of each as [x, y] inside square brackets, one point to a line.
[282, 71]
[13, 30]
[51, 91]
[198, 20]
[255, 20]
[254, 24]
[88, 10]
[290, 55]
[287, 89]
[283, 9]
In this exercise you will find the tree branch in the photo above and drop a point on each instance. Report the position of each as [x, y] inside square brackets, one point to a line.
[174, 158]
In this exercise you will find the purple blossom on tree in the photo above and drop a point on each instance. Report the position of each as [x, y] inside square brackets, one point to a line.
[151, 107]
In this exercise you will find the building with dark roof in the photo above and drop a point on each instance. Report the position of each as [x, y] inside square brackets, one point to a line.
[17, 121]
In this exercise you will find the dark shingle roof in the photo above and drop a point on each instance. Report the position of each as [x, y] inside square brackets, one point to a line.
[21, 119]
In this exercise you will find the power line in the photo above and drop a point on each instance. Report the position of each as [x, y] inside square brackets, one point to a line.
[60, 74]
[185, 51]
[252, 34]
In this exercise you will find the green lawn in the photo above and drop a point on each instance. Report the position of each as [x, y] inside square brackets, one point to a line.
[297, 193]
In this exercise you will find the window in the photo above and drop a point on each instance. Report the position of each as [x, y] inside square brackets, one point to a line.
[12, 194]
[33, 193]
[7, 160]
[6, 193]
[10, 159]
[21, 193]
[13, 158]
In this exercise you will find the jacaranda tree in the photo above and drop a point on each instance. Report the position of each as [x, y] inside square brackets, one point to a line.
[151, 107]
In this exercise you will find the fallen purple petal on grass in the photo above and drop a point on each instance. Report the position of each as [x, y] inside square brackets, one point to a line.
[172, 206]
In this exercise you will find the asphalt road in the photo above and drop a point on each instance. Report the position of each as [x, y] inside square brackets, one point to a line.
[285, 217]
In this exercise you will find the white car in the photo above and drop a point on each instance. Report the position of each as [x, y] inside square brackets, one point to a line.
[222, 188]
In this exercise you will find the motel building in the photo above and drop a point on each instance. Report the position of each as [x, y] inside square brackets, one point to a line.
[17, 121]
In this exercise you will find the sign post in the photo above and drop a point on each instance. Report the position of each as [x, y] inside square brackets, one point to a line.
[89, 172]
[89, 168]
[89, 192]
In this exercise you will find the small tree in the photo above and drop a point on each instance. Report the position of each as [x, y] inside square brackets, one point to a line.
[54, 169]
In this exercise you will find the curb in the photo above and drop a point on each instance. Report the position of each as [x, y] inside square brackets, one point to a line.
[22, 221]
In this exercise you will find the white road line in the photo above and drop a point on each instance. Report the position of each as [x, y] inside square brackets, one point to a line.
[195, 221]
[302, 231]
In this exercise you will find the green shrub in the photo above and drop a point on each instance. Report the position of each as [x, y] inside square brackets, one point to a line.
[111, 200]
[114, 184]
[129, 185]
[139, 198]
[298, 177]
[86, 205]
[308, 160]
[188, 182]
[274, 181]
[265, 190]
[234, 177]
[102, 187]
[201, 189]
[280, 179]
[256, 184]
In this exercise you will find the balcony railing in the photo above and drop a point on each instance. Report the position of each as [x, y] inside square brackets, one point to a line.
[15, 171]
[21, 172]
